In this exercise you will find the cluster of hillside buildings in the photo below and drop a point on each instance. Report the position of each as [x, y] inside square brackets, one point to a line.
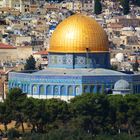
[27, 25]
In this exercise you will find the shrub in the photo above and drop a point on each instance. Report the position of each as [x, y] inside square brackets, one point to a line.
[13, 133]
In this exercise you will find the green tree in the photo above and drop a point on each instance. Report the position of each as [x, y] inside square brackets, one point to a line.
[59, 114]
[30, 112]
[126, 6]
[5, 115]
[91, 112]
[15, 102]
[133, 102]
[97, 7]
[30, 63]
[36, 114]
[136, 2]
[41, 113]
[13, 134]
[118, 112]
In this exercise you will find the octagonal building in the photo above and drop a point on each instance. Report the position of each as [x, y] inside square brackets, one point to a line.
[79, 62]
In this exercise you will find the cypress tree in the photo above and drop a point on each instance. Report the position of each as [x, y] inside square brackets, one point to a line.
[137, 2]
[30, 63]
[125, 5]
[97, 7]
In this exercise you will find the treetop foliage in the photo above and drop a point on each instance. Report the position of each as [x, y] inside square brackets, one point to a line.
[88, 114]
[97, 7]
[30, 63]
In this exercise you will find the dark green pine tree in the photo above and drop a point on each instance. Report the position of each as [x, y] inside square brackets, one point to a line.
[30, 63]
[137, 2]
[97, 7]
[126, 6]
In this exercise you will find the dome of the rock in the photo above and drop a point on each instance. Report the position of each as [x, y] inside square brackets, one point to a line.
[78, 33]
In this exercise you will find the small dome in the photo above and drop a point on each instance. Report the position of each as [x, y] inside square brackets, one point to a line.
[119, 57]
[77, 33]
[121, 85]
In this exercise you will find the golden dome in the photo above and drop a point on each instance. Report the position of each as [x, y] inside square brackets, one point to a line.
[76, 33]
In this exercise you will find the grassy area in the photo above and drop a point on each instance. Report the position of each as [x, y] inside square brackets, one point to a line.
[12, 125]
[79, 137]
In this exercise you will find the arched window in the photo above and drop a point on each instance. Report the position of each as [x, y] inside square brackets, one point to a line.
[99, 89]
[34, 89]
[41, 90]
[12, 84]
[92, 89]
[86, 89]
[77, 90]
[21, 87]
[15, 84]
[28, 89]
[63, 90]
[24, 88]
[56, 90]
[48, 90]
[70, 90]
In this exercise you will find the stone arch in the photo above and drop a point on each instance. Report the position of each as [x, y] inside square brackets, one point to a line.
[41, 90]
[56, 90]
[28, 88]
[86, 89]
[92, 88]
[70, 90]
[48, 90]
[24, 88]
[34, 89]
[19, 85]
[62, 90]
[16, 85]
[99, 88]
[77, 90]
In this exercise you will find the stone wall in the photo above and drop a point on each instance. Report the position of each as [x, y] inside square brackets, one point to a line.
[14, 54]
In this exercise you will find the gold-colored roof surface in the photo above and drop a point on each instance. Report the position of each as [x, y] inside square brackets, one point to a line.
[76, 33]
